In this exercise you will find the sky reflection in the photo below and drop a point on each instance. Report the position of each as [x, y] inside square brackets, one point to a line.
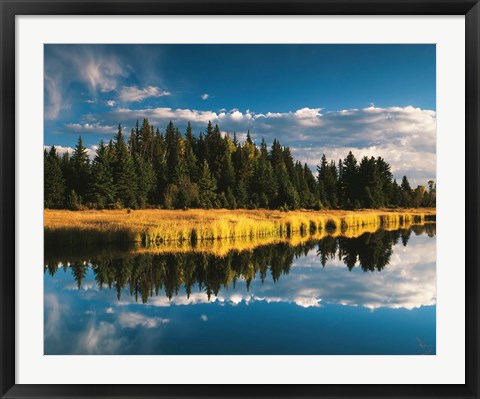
[306, 309]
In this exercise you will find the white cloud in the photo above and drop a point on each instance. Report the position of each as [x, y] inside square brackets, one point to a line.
[99, 339]
[69, 150]
[236, 116]
[308, 116]
[109, 310]
[53, 316]
[54, 102]
[134, 93]
[408, 282]
[89, 65]
[204, 317]
[60, 149]
[404, 136]
[100, 71]
[91, 101]
[111, 103]
[131, 320]
[90, 128]
[205, 96]
[163, 115]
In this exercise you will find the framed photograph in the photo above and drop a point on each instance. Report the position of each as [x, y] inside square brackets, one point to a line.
[239, 199]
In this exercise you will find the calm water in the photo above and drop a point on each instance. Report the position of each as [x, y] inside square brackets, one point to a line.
[374, 294]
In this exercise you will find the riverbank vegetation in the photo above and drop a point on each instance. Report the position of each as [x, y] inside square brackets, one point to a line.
[151, 169]
[155, 227]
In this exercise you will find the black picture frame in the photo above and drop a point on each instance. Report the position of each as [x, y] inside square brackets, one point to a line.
[10, 9]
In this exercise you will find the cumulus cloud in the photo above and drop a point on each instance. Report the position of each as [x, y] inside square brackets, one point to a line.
[134, 93]
[404, 136]
[111, 103]
[69, 150]
[205, 96]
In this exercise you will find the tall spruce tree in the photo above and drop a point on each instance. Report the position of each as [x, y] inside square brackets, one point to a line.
[349, 183]
[180, 171]
[54, 187]
[145, 179]
[80, 169]
[207, 188]
[124, 175]
[102, 188]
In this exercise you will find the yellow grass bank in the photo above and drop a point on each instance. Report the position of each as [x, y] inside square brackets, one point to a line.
[178, 227]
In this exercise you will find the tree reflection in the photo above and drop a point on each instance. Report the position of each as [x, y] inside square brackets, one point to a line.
[145, 275]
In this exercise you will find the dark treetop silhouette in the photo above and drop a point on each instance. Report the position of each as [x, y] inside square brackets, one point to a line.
[146, 274]
[171, 170]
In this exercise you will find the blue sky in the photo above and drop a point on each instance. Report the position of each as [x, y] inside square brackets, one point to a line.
[371, 99]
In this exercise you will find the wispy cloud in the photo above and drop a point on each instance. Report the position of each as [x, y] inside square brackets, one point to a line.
[134, 93]
[53, 314]
[100, 71]
[99, 338]
[53, 100]
[67, 66]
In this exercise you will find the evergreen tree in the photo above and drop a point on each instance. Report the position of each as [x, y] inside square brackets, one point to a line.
[312, 187]
[327, 180]
[102, 188]
[146, 140]
[172, 150]
[264, 184]
[159, 168]
[349, 183]
[54, 187]
[124, 175]
[207, 188]
[191, 160]
[80, 169]
[370, 180]
[181, 171]
[386, 181]
[407, 192]
[145, 178]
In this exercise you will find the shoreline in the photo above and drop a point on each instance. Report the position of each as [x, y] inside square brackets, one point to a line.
[156, 227]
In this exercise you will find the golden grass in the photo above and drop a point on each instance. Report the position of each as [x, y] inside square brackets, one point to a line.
[205, 229]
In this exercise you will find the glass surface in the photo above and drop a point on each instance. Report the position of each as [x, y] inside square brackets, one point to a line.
[374, 294]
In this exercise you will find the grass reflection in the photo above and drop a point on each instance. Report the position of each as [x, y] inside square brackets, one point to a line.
[146, 272]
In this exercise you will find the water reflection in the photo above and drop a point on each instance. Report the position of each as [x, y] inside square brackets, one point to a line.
[145, 275]
[320, 297]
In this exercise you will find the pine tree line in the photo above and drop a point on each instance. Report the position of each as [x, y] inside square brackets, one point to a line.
[173, 170]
